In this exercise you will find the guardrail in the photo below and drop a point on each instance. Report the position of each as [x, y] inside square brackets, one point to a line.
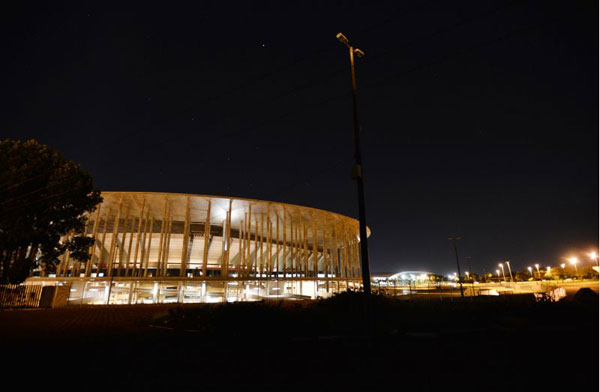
[20, 296]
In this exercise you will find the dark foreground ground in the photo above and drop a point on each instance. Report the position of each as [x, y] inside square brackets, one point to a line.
[507, 344]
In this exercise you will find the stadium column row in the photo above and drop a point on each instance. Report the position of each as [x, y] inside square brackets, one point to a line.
[275, 243]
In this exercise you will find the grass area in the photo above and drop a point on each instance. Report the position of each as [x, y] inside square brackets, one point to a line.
[502, 343]
[344, 315]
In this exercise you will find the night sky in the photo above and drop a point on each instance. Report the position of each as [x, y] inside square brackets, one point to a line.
[479, 118]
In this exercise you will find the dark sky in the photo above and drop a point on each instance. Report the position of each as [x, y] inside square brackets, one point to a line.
[480, 118]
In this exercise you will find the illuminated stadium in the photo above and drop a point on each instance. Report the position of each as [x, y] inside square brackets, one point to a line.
[165, 247]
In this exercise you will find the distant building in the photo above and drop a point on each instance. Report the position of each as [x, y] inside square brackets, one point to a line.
[406, 277]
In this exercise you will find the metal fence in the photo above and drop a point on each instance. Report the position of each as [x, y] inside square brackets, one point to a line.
[20, 296]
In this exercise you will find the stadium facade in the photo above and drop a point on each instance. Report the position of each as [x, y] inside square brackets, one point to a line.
[165, 247]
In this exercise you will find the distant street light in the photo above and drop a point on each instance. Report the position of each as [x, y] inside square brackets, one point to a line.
[357, 171]
[594, 257]
[498, 273]
[471, 279]
[530, 271]
[573, 260]
[509, 270]
[503, 275]
[468, 259]
[537, 267]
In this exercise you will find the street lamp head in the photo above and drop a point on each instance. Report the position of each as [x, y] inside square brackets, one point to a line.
[593, 255]
[342, 38]
[500, 265]
[507, 262]
[537, 266]
[359, 53]
[529, 268]
[573, 260]
[562, 265]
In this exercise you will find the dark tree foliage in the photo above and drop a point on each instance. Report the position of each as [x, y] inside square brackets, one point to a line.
[43, 201]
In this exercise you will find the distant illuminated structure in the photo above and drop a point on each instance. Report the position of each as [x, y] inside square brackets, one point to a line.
[165, 247]
[406, 277]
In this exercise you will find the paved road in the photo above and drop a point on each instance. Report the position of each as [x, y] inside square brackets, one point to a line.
[75, 321]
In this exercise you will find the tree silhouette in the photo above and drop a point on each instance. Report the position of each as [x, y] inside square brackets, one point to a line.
[43, 197]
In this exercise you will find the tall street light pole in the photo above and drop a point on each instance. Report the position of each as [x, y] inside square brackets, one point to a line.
[357, 171]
